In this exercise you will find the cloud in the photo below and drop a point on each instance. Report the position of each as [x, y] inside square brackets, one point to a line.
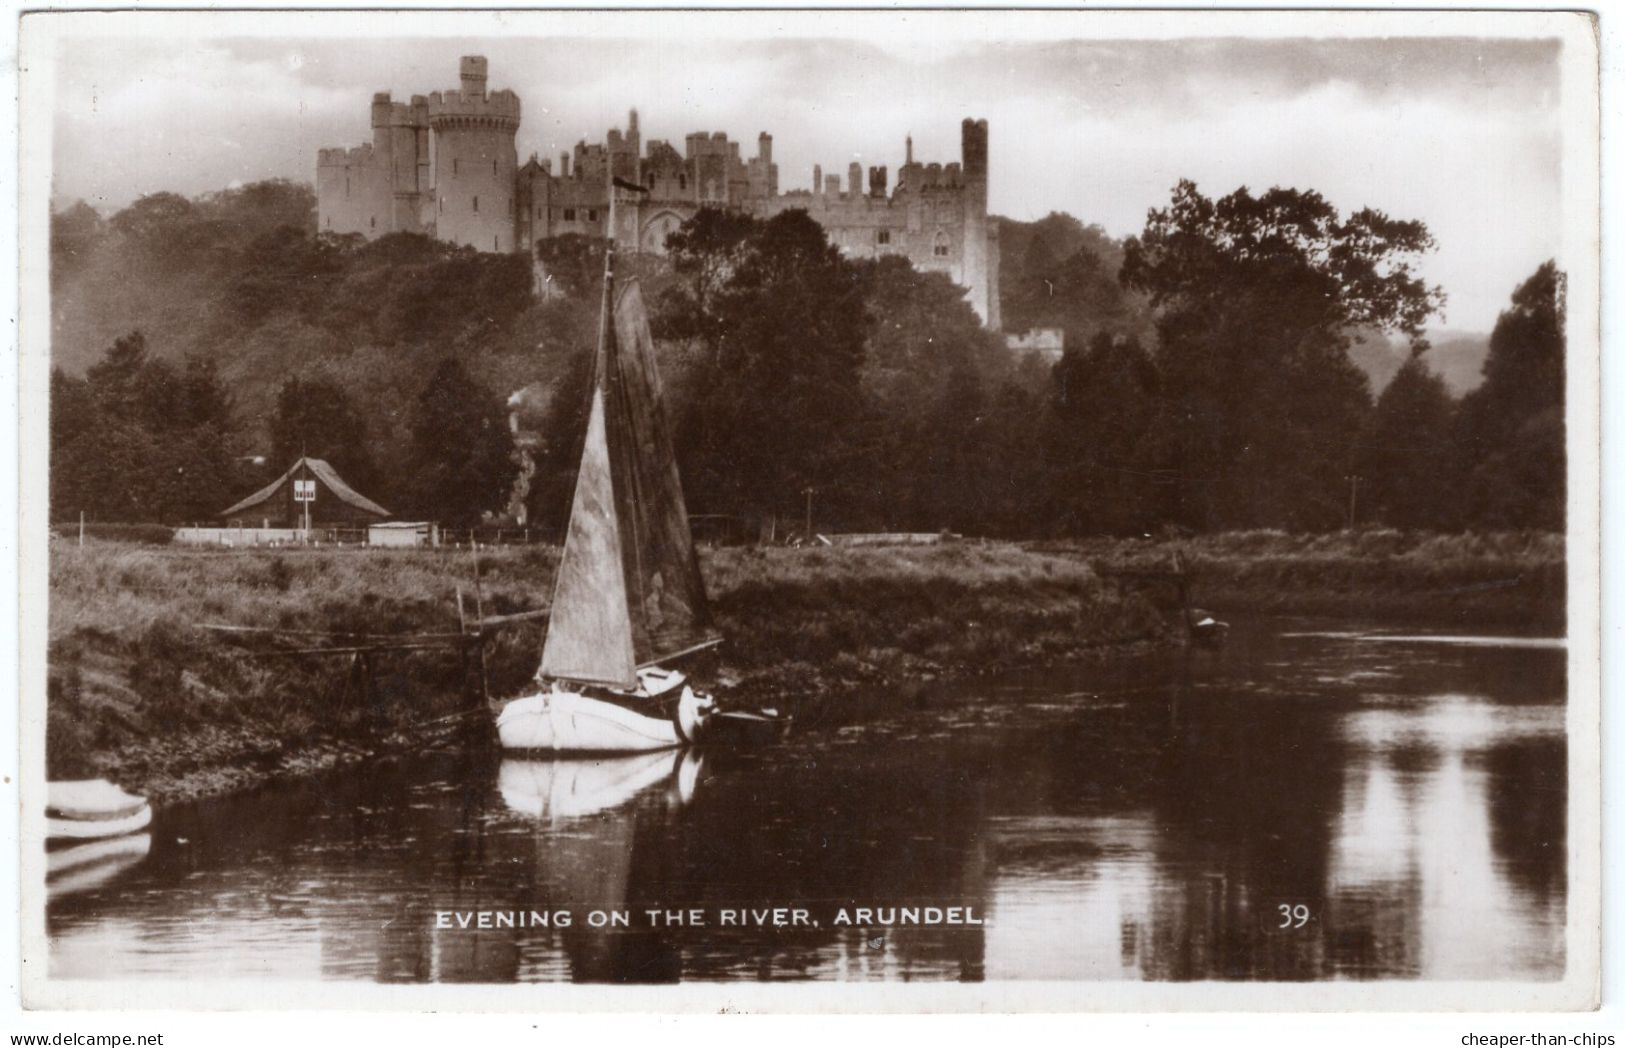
[1461, 133]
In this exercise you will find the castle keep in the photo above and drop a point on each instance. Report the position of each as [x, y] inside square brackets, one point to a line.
[445, 165]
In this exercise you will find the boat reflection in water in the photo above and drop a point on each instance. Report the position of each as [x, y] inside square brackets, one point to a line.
[594, 856]
[83, 867]
[560, 788]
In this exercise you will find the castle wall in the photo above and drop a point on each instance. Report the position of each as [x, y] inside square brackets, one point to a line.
[475, 165]
[446, 165]
[936, 217]
[352, 192]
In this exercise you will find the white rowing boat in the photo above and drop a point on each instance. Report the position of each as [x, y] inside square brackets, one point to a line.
[87, 809]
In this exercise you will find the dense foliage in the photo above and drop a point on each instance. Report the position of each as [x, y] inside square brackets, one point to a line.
[1206, 383]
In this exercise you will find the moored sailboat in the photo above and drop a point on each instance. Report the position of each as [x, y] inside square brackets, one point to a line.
[628, 598]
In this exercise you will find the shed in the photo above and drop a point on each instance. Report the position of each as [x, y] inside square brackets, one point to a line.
[336, 504]
[403, 533]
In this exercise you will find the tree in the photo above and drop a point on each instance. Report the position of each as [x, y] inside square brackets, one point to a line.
[1511, 436]
[75, 232]
[462, 459]
[777, 393]
[116, 380]
[289, 270]
[1103, 444]
[314, 417]
[928, 363]
[1407, 462]
[705, 252]
[137, 440]
[1059, 273]
[1253, 298]
[574, 263]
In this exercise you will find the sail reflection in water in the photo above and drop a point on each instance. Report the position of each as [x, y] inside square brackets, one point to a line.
[1141, 822]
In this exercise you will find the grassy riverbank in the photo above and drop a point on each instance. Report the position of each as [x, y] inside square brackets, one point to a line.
[1509, 580]
[141, 694]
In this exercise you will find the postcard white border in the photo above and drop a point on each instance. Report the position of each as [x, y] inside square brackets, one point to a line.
[42, 33]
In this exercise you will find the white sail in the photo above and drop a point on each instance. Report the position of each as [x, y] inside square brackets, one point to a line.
[629, 592]
[589, 633]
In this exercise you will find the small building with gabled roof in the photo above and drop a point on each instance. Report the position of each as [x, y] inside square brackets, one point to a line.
[336, 503]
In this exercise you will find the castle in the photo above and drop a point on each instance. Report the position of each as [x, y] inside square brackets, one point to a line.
[446, 165]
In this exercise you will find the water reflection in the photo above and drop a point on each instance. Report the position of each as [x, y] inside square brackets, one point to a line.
[1417, 851]
[1142, 821]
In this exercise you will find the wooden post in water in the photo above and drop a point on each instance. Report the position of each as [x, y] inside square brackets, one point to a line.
[1182, 580]
[462, 643]
[479, 624]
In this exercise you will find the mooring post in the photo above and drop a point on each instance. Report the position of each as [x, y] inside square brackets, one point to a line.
[479, 626]
[1183, 581]
[462, 643]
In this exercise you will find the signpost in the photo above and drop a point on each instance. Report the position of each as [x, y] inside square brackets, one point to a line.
[305, 491]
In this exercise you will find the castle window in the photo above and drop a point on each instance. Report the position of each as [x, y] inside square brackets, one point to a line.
[454, 167]
[592, 214]
[476, 205]
[372, 222]
[651, 180]
[442, 205]
[493, 165]
[940, 248]
[883, 236]
[569, 214]
[682, 181]
[494, 244]
[346, 185]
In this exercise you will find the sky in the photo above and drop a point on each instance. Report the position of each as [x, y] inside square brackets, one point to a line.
[1463, 133]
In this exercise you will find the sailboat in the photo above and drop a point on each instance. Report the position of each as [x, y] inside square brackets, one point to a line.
[628, 599]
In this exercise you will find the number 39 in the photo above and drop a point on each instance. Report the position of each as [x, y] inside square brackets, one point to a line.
[1293, 916]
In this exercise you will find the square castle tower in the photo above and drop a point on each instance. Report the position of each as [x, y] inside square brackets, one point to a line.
[445, 165]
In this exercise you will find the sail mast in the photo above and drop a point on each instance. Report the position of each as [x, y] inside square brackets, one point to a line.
[589, 630]
[628, 591]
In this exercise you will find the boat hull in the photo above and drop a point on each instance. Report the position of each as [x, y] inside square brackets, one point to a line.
[91, 829]
[559, 720]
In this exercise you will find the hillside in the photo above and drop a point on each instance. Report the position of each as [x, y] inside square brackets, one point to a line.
[1457, 357]
[1058, 272]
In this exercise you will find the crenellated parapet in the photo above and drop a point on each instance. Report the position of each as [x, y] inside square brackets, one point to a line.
[389, 113]
[497, 111]
[342, 157]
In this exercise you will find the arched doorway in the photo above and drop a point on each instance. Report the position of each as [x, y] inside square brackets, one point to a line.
[657, 229]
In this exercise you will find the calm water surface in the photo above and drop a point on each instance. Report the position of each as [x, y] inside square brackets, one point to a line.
[1401, 795]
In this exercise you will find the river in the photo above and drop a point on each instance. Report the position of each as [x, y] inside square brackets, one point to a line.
[1314, 801]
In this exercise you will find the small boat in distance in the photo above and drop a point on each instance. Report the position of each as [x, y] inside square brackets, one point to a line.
[1204, 629]
[628, 596]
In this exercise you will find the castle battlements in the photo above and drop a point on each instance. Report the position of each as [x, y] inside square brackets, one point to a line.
[387, 113]
[499, 109]
[340, 156]
[445, 164]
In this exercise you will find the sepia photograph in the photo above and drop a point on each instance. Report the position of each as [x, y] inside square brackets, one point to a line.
[851, 511]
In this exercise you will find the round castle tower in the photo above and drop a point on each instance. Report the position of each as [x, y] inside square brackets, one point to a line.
[475, 161]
